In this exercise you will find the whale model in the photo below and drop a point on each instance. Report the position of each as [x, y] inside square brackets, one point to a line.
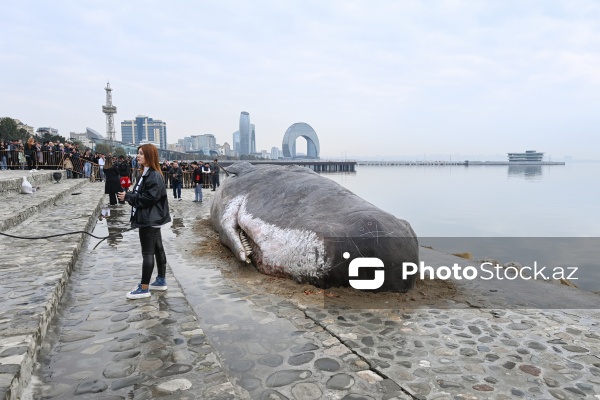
[291, 222]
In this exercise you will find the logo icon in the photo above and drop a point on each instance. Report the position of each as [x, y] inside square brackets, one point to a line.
[365, 262]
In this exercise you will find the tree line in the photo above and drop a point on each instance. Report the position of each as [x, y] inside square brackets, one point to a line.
[10, 131]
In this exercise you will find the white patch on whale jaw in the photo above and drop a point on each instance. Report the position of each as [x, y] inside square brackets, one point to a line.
[229, 224]
[296, 253]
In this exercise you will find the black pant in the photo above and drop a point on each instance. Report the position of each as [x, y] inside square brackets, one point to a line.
[215, 181]
[151, 241]
[30, 161]
[112, 197]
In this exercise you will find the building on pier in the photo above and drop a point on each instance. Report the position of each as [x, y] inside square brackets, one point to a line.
[528, 156]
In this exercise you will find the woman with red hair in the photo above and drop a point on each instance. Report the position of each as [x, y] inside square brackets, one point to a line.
[150, 210]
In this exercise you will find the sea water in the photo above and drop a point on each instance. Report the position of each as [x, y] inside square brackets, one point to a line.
[511, 205]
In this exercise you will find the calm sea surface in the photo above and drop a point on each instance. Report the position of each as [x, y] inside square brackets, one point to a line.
[488, 201]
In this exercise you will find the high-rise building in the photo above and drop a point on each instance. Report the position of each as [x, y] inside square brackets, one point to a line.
[187, 144]
[276, 153]
[225, 149]
[203, 142]
[244, 133]
[252, 139]
[236, 143]
[144, 130]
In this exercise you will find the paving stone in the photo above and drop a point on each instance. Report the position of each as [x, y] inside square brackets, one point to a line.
[340, 382]
[300, 359]
[118, 370]
[576, 349]
[91, 386]
[483, 388]
[530, 369]
[308, 391]
[271, 361]
[285, 377]
[174, 369]
[175, 385]
[250, 383]
[327, 364]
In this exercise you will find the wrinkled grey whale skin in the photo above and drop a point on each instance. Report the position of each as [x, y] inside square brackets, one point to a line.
[299, 224]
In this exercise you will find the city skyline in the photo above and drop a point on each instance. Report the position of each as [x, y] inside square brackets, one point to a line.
[373, 79]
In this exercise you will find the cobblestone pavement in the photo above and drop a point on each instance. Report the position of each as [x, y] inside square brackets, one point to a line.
[212, 337]
[459, 352]
[34, 274]
[102, 345]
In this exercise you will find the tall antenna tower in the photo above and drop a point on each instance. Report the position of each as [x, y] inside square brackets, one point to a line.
[109, 110]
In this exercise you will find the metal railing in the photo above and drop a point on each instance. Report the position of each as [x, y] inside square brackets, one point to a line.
[48, 160]
[187, 182]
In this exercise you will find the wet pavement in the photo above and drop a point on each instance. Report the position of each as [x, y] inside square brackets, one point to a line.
[212, 337]
[35, 273]
[203, 339]
[459, 351]
[102, 345]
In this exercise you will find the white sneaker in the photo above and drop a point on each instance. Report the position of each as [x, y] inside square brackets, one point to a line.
[138, 293]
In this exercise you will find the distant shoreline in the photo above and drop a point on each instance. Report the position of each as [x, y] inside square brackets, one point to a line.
[466, 163]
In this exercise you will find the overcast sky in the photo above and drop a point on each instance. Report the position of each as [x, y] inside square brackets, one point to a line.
[373, 78]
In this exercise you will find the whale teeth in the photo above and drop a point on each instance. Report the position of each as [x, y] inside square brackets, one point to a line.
[246, 245]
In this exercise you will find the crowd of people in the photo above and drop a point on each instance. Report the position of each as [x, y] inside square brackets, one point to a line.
[176, 175]
[107, 168]
[34, 155]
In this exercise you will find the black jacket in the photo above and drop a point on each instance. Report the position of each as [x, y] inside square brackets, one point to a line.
[150, 201]
[124, 168]
[112, 184]
[176, 173]
[197, 177]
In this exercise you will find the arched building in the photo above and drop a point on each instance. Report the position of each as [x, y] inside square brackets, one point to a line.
[307, 132]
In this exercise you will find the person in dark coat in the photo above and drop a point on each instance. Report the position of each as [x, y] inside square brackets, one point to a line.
[112, 186]
[124, 167]
[150, 211]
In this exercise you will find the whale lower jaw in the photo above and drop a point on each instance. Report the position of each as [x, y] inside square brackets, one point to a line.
[295, 253]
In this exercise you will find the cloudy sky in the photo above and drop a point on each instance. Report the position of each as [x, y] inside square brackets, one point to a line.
[373, 78]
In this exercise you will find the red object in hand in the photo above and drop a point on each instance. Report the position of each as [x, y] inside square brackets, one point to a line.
[125, 182]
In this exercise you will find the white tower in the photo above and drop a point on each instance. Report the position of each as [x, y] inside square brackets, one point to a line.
[109, 110]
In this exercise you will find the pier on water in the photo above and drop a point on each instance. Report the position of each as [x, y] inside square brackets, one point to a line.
[465, 163]
[394, 163]
[350, 165]
[315, 165]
